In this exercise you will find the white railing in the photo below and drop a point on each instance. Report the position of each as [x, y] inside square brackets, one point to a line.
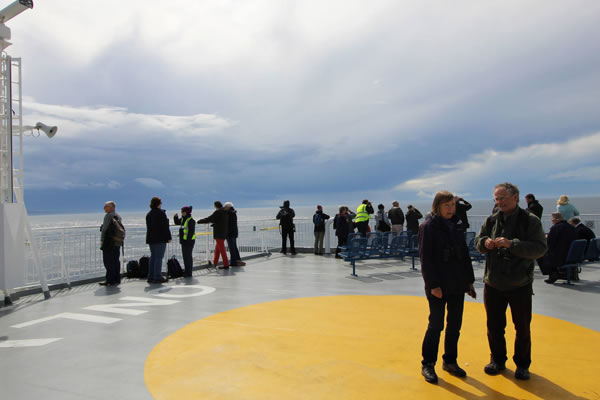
[73, 253]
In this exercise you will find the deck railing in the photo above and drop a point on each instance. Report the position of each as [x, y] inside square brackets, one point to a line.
[73, 253]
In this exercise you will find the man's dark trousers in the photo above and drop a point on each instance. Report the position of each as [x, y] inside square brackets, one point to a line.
[110, 258]
[284, 234]
[188, 260]
[495, 302]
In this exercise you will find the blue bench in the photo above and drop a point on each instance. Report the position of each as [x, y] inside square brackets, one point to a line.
[379, 245]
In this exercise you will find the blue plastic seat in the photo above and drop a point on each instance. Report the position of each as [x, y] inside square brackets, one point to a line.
[574, 257]
[593, 250]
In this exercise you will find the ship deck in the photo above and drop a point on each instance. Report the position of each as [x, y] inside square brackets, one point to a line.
[284, 327]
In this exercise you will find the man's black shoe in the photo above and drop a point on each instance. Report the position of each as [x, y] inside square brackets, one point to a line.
[552, 278]
[454, 369]
[337, 256]
[494, 368]
[294, 253]
[103, 283]
[522, 374]
[428, 371]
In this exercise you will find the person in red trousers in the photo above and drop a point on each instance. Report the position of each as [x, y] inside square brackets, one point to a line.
[220, 224]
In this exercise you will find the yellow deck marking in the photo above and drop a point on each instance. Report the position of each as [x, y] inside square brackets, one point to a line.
[359, 347]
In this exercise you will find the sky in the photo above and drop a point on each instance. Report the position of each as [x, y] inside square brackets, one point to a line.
[321, 102]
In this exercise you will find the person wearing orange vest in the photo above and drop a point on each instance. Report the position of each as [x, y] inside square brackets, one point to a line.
[187, 238]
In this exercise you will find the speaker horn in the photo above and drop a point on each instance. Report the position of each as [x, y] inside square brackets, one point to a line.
[50, 131]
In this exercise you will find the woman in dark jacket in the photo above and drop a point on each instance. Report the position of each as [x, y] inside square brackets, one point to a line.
[232, 235]
[220, 221]
[448, 275]
[158, 235]
[340, 224]
[187, 238]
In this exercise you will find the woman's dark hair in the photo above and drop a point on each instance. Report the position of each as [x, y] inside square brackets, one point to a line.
[218, 204]
[381, 207]
[440, 197]
[155, 202]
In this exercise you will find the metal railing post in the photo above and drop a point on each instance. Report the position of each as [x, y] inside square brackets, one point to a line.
[63, 266]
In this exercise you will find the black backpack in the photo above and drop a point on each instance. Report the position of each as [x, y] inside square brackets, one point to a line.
[144, 263]
[174, 269]
[133, 269]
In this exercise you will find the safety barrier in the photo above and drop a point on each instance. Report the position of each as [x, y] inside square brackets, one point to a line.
[72, 253]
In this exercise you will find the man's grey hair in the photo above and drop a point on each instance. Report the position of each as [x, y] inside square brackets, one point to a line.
[557, 216]
[512, 189]
[110, 203]
[395, 203]
[574, 221]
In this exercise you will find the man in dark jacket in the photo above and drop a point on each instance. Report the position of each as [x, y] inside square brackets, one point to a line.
[340, 224]
[319, 221]
[220, 224]
[187, 238]
[396, 217]
[286, 221]
[560, 237]
[512, 240]
[412, 220]
[461, 219]
[232, 235]
[110, 246]
[534, 206]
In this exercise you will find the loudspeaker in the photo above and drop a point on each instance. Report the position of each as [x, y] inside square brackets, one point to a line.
[48, 130]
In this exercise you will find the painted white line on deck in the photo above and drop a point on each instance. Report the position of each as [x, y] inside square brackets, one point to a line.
[27, 342]
[75, 316]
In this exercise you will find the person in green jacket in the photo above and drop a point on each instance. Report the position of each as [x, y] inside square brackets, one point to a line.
[512, 239]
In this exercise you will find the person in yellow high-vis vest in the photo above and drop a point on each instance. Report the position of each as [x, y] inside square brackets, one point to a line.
[362, 217]
[187, 238]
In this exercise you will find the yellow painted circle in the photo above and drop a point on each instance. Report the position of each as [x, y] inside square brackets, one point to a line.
[359, 347]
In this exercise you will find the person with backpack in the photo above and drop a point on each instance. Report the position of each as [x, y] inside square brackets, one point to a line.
[319, 221]
[382, 222]
[220, 222]
[158, 235]
[111, 239]
[512, 239]
[286, 222]
[187, 238]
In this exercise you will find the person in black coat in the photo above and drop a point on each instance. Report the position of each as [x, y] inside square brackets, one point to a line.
[583, 232]
[187, 238]
[448, 275]
[461, 219]
[534, 206]
[342, 230]
[158, 235]
[412, 220]
[286, 221]
[220, 224]
[559, 239]
[232, 235]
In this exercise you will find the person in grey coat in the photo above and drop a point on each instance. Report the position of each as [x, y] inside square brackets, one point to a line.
[110, 244]
[512, 239]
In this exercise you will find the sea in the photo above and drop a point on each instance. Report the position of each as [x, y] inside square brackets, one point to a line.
[585, 205]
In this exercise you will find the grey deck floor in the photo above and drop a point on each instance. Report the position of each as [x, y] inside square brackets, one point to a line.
[94, 360]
